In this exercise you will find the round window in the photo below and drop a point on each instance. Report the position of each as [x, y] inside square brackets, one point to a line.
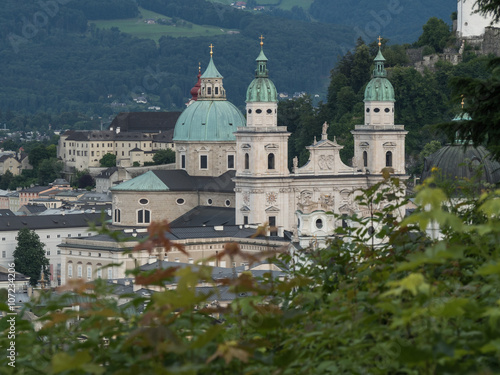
[269, 111]
[228, 202]
[259, 111]
[249, 111]
[209, 201]
[387, 110]
[376, 110]
[180, 201]
[367, 110]
[143, 201]
[319, 223]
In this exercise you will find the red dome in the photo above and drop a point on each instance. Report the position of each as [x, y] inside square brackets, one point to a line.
[196, 89]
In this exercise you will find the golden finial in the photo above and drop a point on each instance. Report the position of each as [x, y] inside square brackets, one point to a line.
[463, 102]
[199, 67]
[211, 49]
[261, 40]
[379, 40]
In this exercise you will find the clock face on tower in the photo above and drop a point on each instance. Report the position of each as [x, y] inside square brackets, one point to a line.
[271, 198]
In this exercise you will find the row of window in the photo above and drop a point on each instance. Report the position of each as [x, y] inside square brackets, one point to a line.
[259, 111]
[388, 159]
[204, 161]
[79, 271]
[72, 144]
[377, 110]
[271, 163]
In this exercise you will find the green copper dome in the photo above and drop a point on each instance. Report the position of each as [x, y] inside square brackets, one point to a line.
[262, 89]
[209, 120]
[379, 88]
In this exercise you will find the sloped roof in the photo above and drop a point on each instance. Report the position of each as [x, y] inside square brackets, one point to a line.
[48, 222]
[177, 180]
[148, 181]
[205, 216]
[147, 122]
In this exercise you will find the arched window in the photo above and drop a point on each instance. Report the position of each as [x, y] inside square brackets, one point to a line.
[365, 159]
[388, 159]
[70, 270]
[79, 270]
[117, 216]
[143, 216]
[247, 161]
[216, 91]
[209, 91]
[89, 272]
[270, 161]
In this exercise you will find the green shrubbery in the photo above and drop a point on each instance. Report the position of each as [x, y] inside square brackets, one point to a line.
[411, 305]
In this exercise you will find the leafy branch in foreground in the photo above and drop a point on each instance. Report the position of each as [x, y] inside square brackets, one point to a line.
[403, 304]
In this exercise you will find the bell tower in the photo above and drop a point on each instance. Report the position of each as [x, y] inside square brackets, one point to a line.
[262, 155]
[379, 143]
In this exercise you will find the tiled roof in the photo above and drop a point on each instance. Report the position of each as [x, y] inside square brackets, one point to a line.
[205, 216]
[47, 222]
[147, 122]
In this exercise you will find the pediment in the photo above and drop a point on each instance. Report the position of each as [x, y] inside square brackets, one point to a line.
[271, 146]
[272, 209]
[245, 209]
[389, 144]
[246, 146]
[364, 144]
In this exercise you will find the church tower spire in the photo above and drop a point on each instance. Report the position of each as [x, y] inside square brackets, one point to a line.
[262, 154]
[211, 82]
[379, 143]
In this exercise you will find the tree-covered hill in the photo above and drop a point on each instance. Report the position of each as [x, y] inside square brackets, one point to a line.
[54, 60]
[398, 20]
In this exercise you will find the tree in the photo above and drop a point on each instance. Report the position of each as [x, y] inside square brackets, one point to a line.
[29, 256]
[38, 154]
[436, 34]
[86, 181]
[489, 7]
[164, 156]
[108, 160]
[49, 170]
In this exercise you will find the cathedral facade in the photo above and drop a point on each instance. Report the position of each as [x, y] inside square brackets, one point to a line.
[305, 199]
[213, 140]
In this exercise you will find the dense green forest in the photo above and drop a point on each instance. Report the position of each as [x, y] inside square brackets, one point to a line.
[421, 101]
[398, 20]
[62, 71]
[53, 60]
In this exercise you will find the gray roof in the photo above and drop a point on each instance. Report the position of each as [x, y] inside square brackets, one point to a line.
[4, 213]
[206, 216]
[35, 189]
[457, 161]
[149, 122]
[33, 208]
[107, 172]
[178, 180]
[49, 221]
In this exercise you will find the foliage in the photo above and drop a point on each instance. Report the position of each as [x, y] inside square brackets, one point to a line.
[489, 7]
[164, 157]
[480, 96]
[108, 160]
[84, 180]
[29, 256]
[400, 21]
[391, 301]
[49, 170]
[436, 34]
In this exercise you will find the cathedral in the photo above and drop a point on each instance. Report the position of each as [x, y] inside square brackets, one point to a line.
[226, 160]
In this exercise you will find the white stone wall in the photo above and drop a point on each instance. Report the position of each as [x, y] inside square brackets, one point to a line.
[50, 237]
[470, 24]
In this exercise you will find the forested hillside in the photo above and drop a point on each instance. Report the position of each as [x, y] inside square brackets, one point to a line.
[398, 20]
[54, 60]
